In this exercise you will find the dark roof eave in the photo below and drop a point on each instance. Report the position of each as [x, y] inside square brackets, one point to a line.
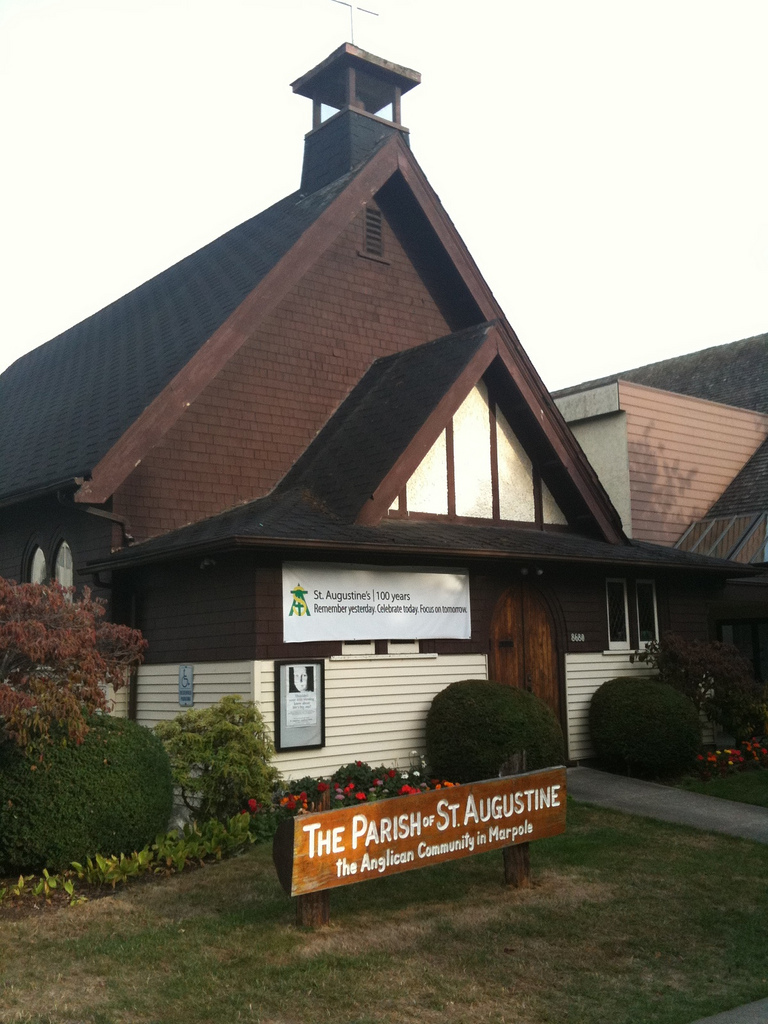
[68, 482]
[204, 548]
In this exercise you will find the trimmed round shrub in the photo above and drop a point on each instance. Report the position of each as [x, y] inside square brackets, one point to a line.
[475, 726]
[643, 726]
[111, 794]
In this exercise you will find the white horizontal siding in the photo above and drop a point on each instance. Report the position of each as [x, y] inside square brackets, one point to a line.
[118, 701]
[584, 673]
[157, 696]
[375, 709]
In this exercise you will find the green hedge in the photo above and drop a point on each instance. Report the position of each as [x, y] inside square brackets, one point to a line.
[643, 726]
[475, 726]
[110, 795]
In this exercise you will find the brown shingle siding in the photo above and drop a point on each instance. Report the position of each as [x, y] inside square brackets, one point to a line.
[256, 417]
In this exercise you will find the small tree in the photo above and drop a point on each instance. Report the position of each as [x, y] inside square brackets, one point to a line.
[716, 677]
[57, 655]
[220, 757]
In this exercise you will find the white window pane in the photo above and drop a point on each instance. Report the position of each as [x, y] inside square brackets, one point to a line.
[38, 572]
[65, 573]
[550, 510]
[515, 475]
[427, 490]
[618, 631]
[647, 623]
[472, 455]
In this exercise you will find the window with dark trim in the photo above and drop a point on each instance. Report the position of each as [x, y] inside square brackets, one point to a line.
[645, 617]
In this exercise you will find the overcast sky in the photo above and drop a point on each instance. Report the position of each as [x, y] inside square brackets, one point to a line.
[605, 161]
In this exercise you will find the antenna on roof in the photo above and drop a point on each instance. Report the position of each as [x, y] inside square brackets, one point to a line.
[352, 9]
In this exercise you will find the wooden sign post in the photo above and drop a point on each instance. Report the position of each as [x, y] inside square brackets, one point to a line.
[317, 852]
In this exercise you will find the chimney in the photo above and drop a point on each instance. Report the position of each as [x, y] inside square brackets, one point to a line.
[355, 103]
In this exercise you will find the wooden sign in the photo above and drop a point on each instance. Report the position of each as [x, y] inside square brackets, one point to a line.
[320, 851]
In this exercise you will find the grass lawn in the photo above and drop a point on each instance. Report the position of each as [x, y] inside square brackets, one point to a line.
[629, 922]
[749, 787]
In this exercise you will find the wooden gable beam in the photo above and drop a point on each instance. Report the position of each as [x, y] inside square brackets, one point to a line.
[515, 358]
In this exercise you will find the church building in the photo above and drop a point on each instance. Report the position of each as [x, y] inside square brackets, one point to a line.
[314, 465]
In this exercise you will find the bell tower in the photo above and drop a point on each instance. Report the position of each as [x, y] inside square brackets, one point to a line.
[361, 94]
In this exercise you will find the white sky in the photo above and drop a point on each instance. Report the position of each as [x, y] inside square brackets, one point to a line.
[605, 161]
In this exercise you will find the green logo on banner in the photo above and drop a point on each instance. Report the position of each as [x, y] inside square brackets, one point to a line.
[299, 606]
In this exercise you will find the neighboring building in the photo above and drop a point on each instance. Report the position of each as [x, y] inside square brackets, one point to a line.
[313, 463]
[681, 446]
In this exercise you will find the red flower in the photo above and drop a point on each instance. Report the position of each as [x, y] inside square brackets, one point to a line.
[322, 786]
[359, 764]
[391, 773]
[361, 796]
[302, 796]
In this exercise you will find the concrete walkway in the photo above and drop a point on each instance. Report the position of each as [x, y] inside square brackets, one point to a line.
[650, 800]
[664, 803]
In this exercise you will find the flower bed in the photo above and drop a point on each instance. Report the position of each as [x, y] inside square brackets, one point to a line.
[750, 754]
[356, 783]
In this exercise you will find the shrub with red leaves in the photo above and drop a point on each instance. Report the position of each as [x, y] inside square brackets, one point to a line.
[57, 655]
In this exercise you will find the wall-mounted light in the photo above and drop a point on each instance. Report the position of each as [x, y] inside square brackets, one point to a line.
[523, 571]
[539, 572]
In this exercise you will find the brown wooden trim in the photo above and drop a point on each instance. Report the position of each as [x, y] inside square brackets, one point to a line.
[450, 468]
[567, 450]
[437, 517]
[495, 497]
[538, 500]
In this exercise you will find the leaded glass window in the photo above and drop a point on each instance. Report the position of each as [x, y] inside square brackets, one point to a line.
[618, 631]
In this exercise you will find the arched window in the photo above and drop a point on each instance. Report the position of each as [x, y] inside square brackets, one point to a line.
[38, 570]
[65, 571]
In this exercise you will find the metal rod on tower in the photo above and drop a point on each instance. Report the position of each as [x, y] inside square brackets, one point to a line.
[352, 9]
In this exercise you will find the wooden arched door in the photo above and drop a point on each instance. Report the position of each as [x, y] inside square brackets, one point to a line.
[523, 651]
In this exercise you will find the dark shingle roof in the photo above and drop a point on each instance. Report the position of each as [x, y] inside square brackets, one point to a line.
[292, 519]
[748, 491]
[376, 422]
[65, 404]
[734, 374]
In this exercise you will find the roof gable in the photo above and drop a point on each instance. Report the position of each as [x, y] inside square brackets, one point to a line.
[735, 374]
[362, 459]
[265, 258]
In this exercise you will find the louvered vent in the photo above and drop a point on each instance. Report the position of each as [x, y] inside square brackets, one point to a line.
[373, 242]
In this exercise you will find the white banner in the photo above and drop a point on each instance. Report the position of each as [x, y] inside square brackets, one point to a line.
[350, 602]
